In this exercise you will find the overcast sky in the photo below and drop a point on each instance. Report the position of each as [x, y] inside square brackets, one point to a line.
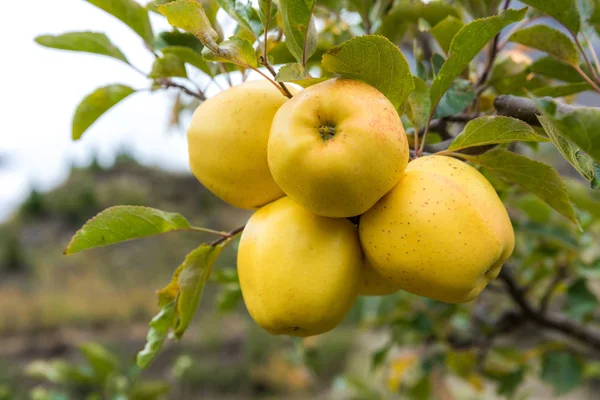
[41, 88]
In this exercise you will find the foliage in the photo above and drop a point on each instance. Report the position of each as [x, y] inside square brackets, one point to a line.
[100, 375]
[467, 97]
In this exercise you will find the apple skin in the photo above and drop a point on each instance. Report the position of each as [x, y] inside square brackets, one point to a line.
[442, 232]
[227, 143]
[337, 147]
[299, 272]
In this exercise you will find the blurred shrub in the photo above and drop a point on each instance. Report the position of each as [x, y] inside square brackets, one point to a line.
[12, 254]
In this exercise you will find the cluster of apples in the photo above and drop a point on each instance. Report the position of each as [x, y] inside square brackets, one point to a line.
[311, 165]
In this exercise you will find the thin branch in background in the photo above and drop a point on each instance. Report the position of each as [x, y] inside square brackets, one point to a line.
[226, 73]
[587, 78]
[585, 57]
[559, 276]
[493, 52]
[167, 83]
[565, 326]
[592, 52]
[365, 18]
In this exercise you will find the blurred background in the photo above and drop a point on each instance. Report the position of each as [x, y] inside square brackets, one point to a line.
[86, 315]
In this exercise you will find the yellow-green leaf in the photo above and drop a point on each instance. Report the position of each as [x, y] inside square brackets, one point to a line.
[467, 43]
[191, 17]
[235, 50]
[159, 329]
[122, 223]
[191, 280]
[534, 176]
[579, 125]
[493, 130]
[295, 73]
[88, 42]
[589, 169]
[548, 40]
[375, 60]
[94, 105]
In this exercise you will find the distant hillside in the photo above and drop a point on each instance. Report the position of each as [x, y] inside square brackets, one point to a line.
[104, 284]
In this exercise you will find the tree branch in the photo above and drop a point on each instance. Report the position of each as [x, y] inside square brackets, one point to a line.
[227, 235]
[167, 83]
[565, 326]
[547, 297]
[524, 109]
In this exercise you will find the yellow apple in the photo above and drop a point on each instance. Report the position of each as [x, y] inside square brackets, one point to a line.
[227, 143]
[372, 283]
[337, 147]
[299, 272]
[442, 232]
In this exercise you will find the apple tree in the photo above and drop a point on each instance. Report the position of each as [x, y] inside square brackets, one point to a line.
[491, 83]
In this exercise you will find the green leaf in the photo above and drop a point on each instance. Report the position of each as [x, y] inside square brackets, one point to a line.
[177, 39]
[467, 43]
[509, 383]
[555, 69]
[243, 13]
[564, 11]
[583, 197]
[122, 223]
[375, 60]
[589, 169]
[299, 28]
[148, 390]
[481, 8]
[548, 40]
[168, 65]
[562, 90]
[555, 234]
[540, 179]
[192, 278]
[159, 329]
[94, 105]
[418, 106]
[399, 18]
[266, 7]
[88, 42]
[562, 370]
[445, 31]
[235, 50]
[579, 125]
[580, 302]
[380, 356]
[296, 73]
[131, 13]
[458, 97]
[101, 360]
[229, 297]
[492, 130]
[189, 56]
